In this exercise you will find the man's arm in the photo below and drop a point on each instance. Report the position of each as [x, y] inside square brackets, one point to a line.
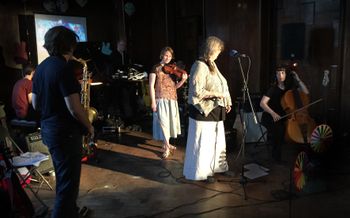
[77, 111]
[35, 101]
[30, 98]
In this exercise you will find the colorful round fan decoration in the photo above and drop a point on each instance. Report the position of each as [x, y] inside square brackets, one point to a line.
[321, 138]
[300, 177]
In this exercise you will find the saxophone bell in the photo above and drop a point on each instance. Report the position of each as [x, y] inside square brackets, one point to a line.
[92, 114]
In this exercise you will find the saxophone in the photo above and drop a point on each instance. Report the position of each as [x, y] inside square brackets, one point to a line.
[88, 144]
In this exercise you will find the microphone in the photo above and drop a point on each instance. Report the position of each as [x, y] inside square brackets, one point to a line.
[235, 53]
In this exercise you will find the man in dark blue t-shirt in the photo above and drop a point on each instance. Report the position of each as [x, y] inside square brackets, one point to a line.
[63, 118]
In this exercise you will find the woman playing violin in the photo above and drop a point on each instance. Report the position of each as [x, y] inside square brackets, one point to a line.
[166, 118]
[273, 110]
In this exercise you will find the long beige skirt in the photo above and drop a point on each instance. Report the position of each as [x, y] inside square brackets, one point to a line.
[205, 149]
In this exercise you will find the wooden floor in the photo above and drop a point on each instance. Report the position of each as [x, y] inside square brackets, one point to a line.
[131, 180]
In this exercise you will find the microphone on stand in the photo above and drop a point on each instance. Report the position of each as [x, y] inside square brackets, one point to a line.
[234, 53]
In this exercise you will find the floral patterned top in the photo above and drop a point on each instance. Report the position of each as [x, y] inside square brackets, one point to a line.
[165, 86]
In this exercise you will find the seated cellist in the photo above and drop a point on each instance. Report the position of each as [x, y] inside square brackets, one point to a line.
[273, 110]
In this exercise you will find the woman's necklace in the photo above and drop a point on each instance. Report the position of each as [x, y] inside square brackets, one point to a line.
[281, 86]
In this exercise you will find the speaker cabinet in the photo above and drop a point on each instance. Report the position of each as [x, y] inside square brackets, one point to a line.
[34, 143]
[321, 47]
[293, 41]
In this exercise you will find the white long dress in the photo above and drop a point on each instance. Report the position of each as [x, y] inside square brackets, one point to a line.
[205, 151]
[206, 143]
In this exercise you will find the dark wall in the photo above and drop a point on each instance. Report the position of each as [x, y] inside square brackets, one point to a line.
[184, 25]
[238, 24]
[312, 31]
[158, 23]
[145, 31]
[345, 78]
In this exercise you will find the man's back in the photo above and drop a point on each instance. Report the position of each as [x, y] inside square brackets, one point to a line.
[20, 101]
[53, 81]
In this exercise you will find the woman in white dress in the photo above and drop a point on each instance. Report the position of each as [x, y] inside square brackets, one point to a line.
[166, 118]
[209, 100]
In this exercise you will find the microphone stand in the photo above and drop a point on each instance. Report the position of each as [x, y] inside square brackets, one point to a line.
[245, 95]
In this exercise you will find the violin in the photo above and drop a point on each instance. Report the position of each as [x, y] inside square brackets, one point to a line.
[300, 125]
[174, 69]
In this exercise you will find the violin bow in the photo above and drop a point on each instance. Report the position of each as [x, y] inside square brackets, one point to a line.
[302, 108]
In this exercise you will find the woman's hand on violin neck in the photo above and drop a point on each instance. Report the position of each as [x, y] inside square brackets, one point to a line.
[296, 76]
[184, 76]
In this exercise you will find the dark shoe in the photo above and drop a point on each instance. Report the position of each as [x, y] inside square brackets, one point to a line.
[210, 179]
[166, 154]
[83, 212]
[229, 174]
[42, 212]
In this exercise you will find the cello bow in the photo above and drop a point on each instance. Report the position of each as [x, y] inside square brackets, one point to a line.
[302, 108]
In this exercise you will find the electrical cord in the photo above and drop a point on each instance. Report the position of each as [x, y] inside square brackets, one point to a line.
[168, 173]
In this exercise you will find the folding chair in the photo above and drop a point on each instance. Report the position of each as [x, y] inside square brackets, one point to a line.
[24, 160]
[31, 161]
[4, 144]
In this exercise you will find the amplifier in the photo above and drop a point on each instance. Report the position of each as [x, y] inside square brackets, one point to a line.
[110, 130]
[255, 132]
[35, 143]
[33, 137]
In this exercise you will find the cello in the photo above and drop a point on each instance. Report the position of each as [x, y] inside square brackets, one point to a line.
[300, 125]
